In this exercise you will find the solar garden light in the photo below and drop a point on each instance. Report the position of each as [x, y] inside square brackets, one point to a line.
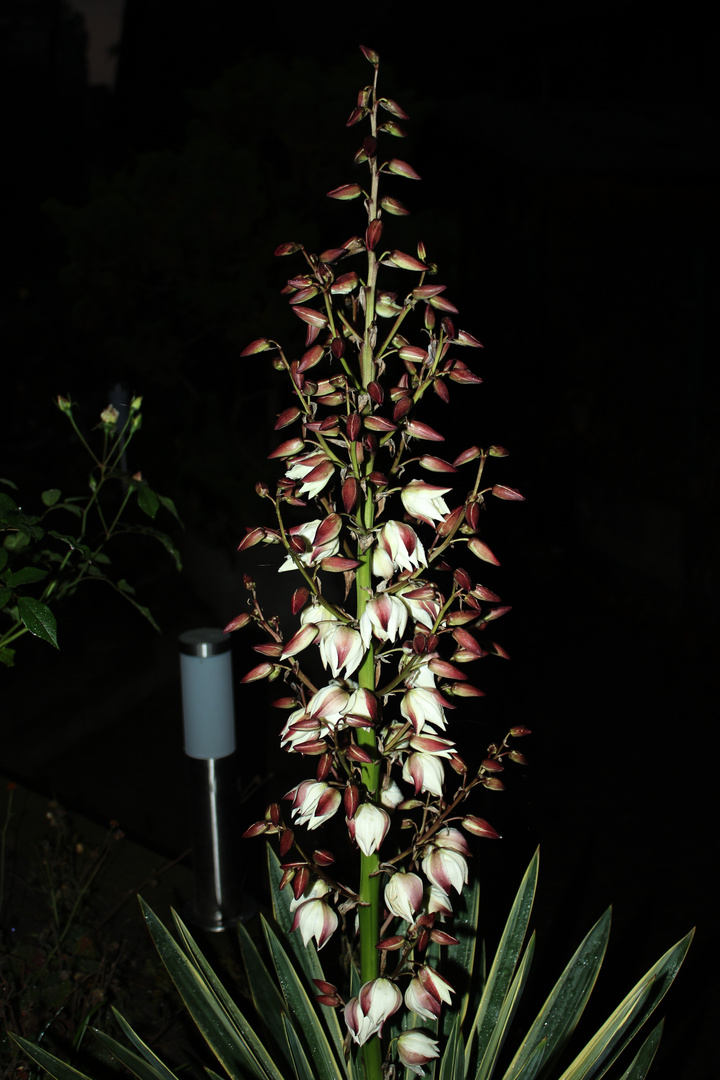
[212, 771]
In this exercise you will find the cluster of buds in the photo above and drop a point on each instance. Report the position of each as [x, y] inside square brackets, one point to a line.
[397, 629]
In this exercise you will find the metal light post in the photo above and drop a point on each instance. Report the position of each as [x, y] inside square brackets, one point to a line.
[212, 770]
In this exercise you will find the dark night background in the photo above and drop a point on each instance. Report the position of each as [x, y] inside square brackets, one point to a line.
[570, 159]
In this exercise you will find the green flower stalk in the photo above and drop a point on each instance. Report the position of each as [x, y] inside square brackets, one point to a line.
[397, 654]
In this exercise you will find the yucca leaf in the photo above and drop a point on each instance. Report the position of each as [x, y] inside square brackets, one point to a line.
[48, 1062]
[227, 1033]
[486, 1065]
[245, 1029]
[139, 1066]
[452, 1065]
[598, 1050]
[303, 1010]
[284, 918]
[639, 1066]
[151, 1066]
[150, 1057]
[297, 1054]
[461, 958]
[534, 1063]
[267, 999]
[503, 966]
[559, 1016]
[306, 956]
[632, 1012]
[193, 950]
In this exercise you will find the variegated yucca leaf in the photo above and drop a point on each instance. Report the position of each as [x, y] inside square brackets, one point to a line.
[304, 1040]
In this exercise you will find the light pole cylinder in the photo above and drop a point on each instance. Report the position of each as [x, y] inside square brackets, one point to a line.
[212, 778]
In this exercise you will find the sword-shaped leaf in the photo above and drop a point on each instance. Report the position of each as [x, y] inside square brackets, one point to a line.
[452, 1065]
[503, 966]
[226, 1031]
[328, 1066]
[639, 1066]
[499, 1033]
[49, 1062]
[559, 1016]
[298, 1056]
[306, 956]
[632, 1012]
[147, 1067]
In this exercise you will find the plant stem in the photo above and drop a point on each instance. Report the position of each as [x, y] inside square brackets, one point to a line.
[369, 910]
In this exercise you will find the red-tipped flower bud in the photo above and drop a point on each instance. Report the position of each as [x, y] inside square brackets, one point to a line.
[345, 191]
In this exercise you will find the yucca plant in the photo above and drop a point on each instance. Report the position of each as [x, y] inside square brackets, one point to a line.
[379, 590]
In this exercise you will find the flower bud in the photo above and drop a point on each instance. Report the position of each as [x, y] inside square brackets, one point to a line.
[299, 599]
[373, 234]
[401, 168]
[391, 944]
[482, 551]
[350, 493]
[310, 358]
[393, 206]
[502, 492]
[404, 261]
[464, 338]
[351, 799]
[353, 427]
[259, 345]
[470, 454]
[479, 827]
[345, 191]
[262, 671]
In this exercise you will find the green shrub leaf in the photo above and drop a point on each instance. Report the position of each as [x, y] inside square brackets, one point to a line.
[169, 505]
[148, 500]
[25, 576]
[38, 618]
